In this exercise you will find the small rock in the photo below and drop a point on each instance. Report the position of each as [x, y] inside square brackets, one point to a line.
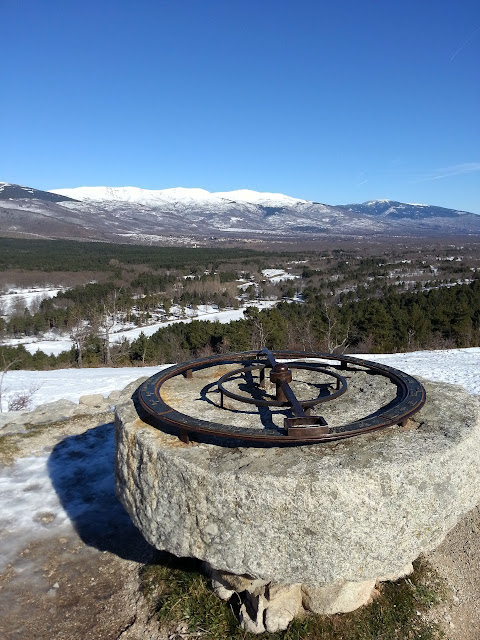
[284, 604]
[221, 591]
[232, 582]
[95, 401]
[251, 613]
[340, 597]
[45, 517]
[114, 397]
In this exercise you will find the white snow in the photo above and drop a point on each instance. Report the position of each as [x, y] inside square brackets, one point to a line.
[277, 275]
[71, 383]
[41, 495]
[176, 195]
[52, 347]
[57, 492]
[258, 197]
[136, 195]
[27, 494]
[205, 312]
[456, 366]
[27, 297]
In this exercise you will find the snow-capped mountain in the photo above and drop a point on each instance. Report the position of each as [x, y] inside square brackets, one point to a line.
[177, 195]
[131, 214]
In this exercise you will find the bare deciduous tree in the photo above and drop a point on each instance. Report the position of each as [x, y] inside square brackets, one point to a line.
[22, 400]
[5, 367]
[336, 336]
[79, 333]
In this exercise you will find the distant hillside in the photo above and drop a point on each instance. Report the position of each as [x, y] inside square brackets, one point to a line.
[186, 216]
[400, 210]
[15, 192]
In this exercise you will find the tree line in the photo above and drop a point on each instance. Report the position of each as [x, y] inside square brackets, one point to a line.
[441, 318]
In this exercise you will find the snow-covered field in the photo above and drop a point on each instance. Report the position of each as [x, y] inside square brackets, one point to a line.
[28, 298]
[70, 383]
[71, 487]
[277, 275]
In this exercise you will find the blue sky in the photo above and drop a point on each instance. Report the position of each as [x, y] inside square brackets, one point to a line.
[334, 102]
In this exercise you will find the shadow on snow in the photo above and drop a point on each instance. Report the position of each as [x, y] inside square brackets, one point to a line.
[81, 469]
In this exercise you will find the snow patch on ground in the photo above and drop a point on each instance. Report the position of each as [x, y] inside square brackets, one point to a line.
[277, 275]
[56, 492]
[71, 383]
[28, 298]
[454, 366]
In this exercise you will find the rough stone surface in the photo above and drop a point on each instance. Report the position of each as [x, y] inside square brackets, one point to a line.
[393, 577]
[92, 404]
[13, 421]
[94, 401]
[9, 421]
[114, 397]
[284, 604]
[340, 597]
[264, 605]
[319, 515]
[19, 421]
[252, 613]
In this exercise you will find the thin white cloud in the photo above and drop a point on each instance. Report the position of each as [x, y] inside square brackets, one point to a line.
[362, 178]
[455, 170]
[464, 43]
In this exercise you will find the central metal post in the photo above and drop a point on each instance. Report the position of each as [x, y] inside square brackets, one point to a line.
[302, 422]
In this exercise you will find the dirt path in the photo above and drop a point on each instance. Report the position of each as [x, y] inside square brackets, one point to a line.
[64, 589]
[457, 560]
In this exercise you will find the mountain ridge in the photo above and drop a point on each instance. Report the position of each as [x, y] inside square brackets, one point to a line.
[132, 214]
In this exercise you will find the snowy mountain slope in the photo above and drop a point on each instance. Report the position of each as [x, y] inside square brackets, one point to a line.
[153, 198]
[235, 211]
[264, 199]
[131, 214]
[244, 211]
[176, 195]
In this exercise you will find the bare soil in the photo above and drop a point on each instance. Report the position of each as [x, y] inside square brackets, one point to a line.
[457, 560]
[66, 588]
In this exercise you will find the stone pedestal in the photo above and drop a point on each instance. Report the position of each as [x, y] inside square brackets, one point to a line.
[312, 526]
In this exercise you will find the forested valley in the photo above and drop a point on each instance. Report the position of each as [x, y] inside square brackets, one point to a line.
[348, 300]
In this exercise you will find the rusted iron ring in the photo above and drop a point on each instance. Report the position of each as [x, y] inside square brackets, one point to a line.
[410, 398]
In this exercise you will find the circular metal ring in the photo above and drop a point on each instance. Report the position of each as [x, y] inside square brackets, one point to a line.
[411, 397]
[278, 403]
